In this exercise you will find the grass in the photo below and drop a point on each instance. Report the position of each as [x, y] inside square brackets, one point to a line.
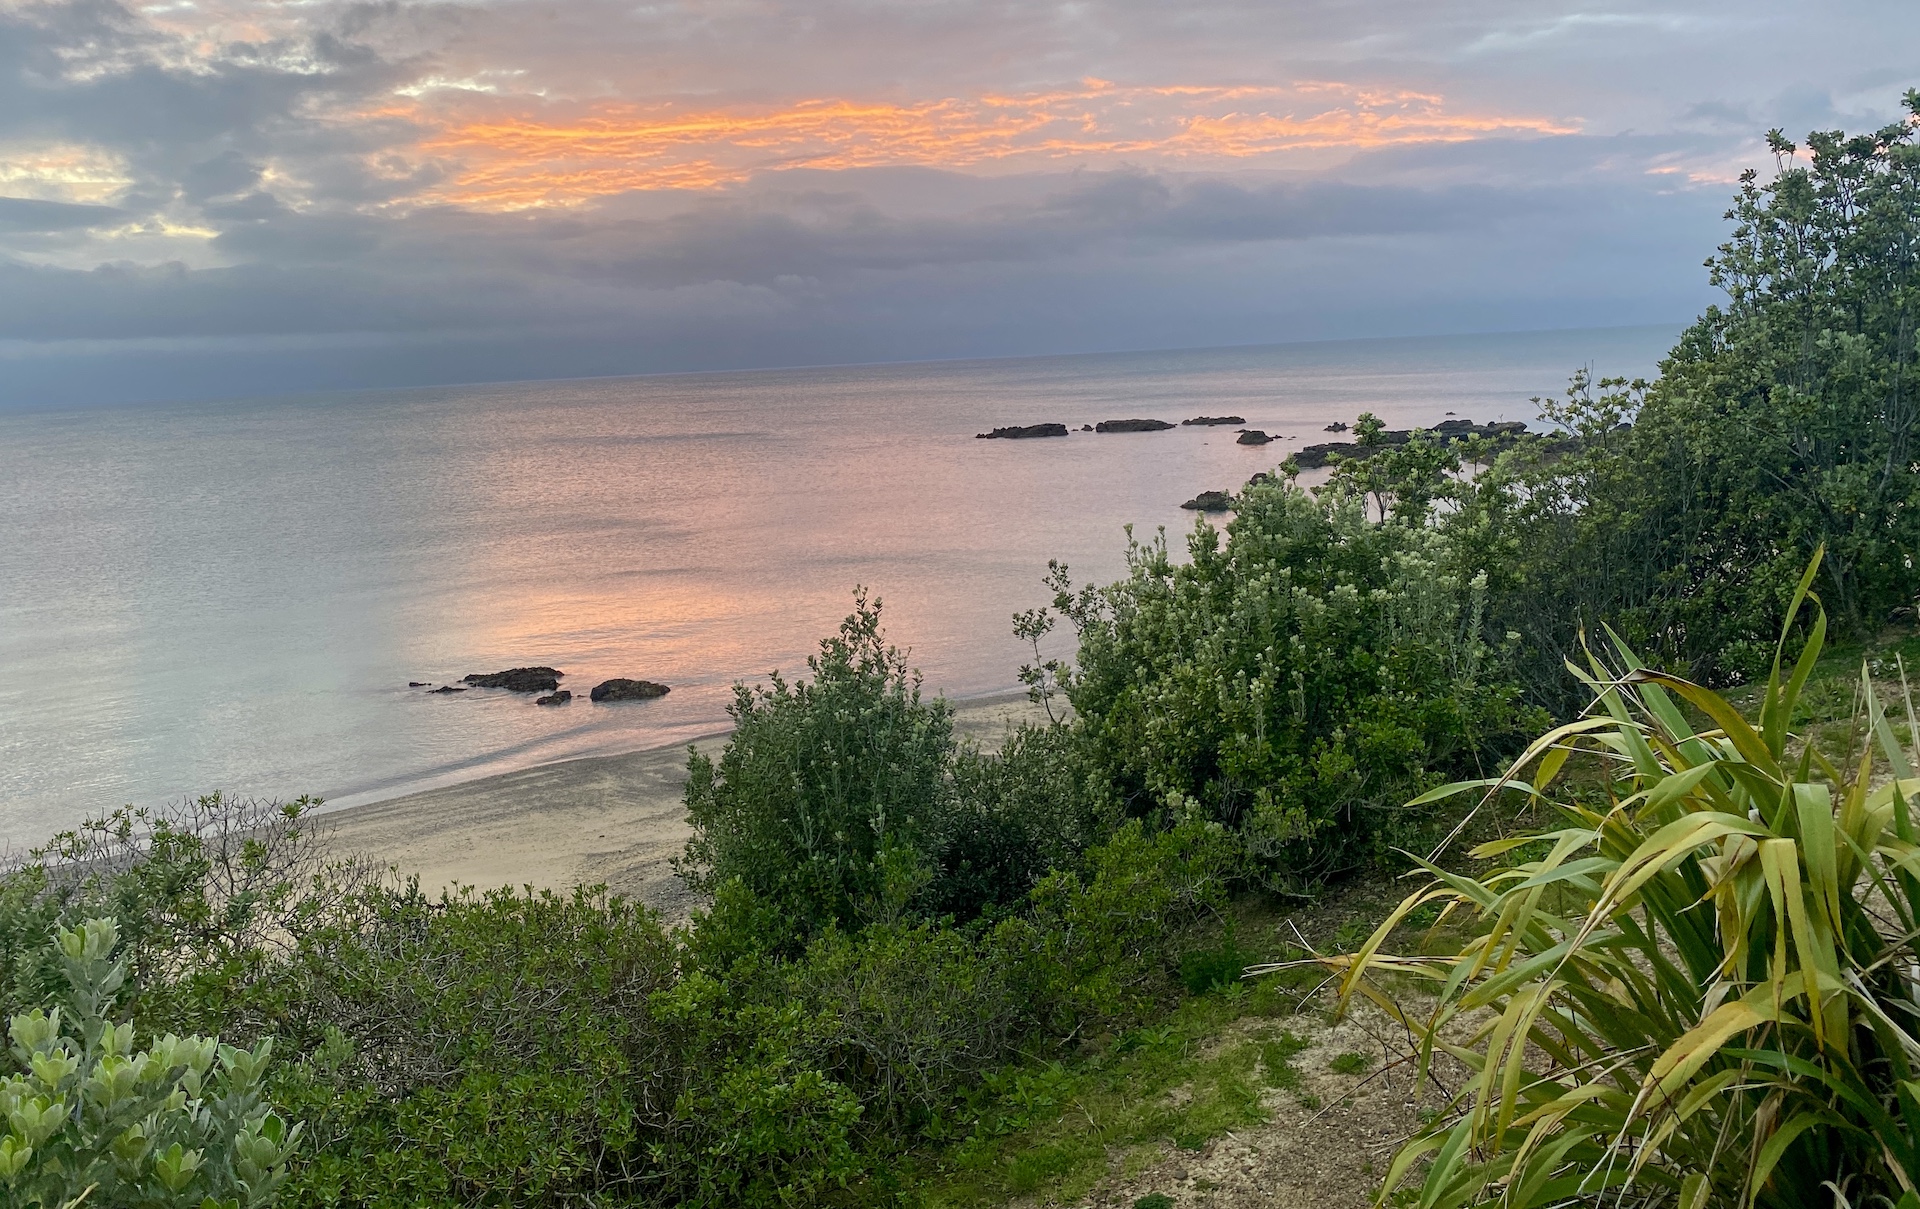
[1052, 1132]
[1351, 1064]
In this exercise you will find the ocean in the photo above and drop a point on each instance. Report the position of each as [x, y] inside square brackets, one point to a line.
[235, 595]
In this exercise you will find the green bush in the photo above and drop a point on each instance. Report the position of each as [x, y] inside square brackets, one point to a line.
[182, 1123]
[497, 1047]
[197, 888]
[918, 1013]
[1298, 682]
[834, 795]
[1101, 946]
[1785, 421]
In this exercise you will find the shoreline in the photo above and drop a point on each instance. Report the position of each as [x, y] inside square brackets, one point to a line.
[614, 820]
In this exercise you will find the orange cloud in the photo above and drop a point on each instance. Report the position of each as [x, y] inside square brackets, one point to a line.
[511, 161]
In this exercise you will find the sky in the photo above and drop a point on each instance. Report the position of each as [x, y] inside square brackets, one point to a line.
[204, 198]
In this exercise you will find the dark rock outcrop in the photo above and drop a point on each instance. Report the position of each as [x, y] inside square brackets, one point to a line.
[1086, 428]
[449, 688]
[1022, 432]
[628, 690]
[416, 684]
[1132, 426]
[559, 698]
[1252, 436]
[1210, 501]
[1215, 421]
[1446, 431]
[518, 679]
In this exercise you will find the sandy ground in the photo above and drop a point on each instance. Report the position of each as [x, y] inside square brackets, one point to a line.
[616, 820]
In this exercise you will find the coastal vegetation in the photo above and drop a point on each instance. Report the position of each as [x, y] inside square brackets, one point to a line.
[913, 954]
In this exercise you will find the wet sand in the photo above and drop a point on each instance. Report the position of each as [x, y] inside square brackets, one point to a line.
[617, 820]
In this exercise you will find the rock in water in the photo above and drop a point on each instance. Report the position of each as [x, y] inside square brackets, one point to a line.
[416, 684]
[559, 698]
[518, 679]
[628, 690]
[1019, 432]
[1252, 436]
[1210, 501]
[448, 688]
[1132, 426]
[1211, 421]
[1336, 426]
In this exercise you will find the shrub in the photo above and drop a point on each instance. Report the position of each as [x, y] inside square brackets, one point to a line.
[1299, 683]
[917, 1014]
[828, 788]
[495, 1047]
[1023, 811]
[1103, 945]
[198, 889]
[1704, 988]
[90, 1118]
[756, 1122]
[1782, 421]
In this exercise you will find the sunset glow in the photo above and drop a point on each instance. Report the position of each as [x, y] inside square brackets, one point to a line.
[513, 161]
[359, 194]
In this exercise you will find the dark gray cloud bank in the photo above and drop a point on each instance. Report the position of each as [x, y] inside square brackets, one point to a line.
[258, 238]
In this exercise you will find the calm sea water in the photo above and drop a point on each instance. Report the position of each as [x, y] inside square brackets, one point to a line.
[235, 595]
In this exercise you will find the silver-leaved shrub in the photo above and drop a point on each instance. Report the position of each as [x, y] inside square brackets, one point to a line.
[91, 1120]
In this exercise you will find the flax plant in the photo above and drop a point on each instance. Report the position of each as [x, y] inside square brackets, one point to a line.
[1701, 989]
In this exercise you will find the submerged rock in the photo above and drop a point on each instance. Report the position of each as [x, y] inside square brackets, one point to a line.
[559, 698]
[449, 688]
[628, 690]
[1252, 436]
[1132, 426]
[1086, 428]
[518, 679]
[1336, 426]
[416, 684]
[1022, 432]
[1210, 501]
[1212, 421]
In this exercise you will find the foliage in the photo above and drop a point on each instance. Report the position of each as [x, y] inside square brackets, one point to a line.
[182, 1122]
[476, 1043]
[1681, 511]
[1554, 526]
[194, 886]
[1785, 421]
[1296, 683]
[1048, 1131]
[834, 797]
[1702, 987]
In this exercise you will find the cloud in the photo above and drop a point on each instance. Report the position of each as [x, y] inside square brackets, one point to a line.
[23, 215]
[509, 160]
[363, 192]
[453, 271]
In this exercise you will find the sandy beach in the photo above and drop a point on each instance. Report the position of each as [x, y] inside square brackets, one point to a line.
[617, 820]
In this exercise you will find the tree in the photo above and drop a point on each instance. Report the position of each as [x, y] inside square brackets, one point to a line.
[1783, 422]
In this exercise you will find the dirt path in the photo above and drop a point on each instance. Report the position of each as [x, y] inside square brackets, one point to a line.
[1328, 1142]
